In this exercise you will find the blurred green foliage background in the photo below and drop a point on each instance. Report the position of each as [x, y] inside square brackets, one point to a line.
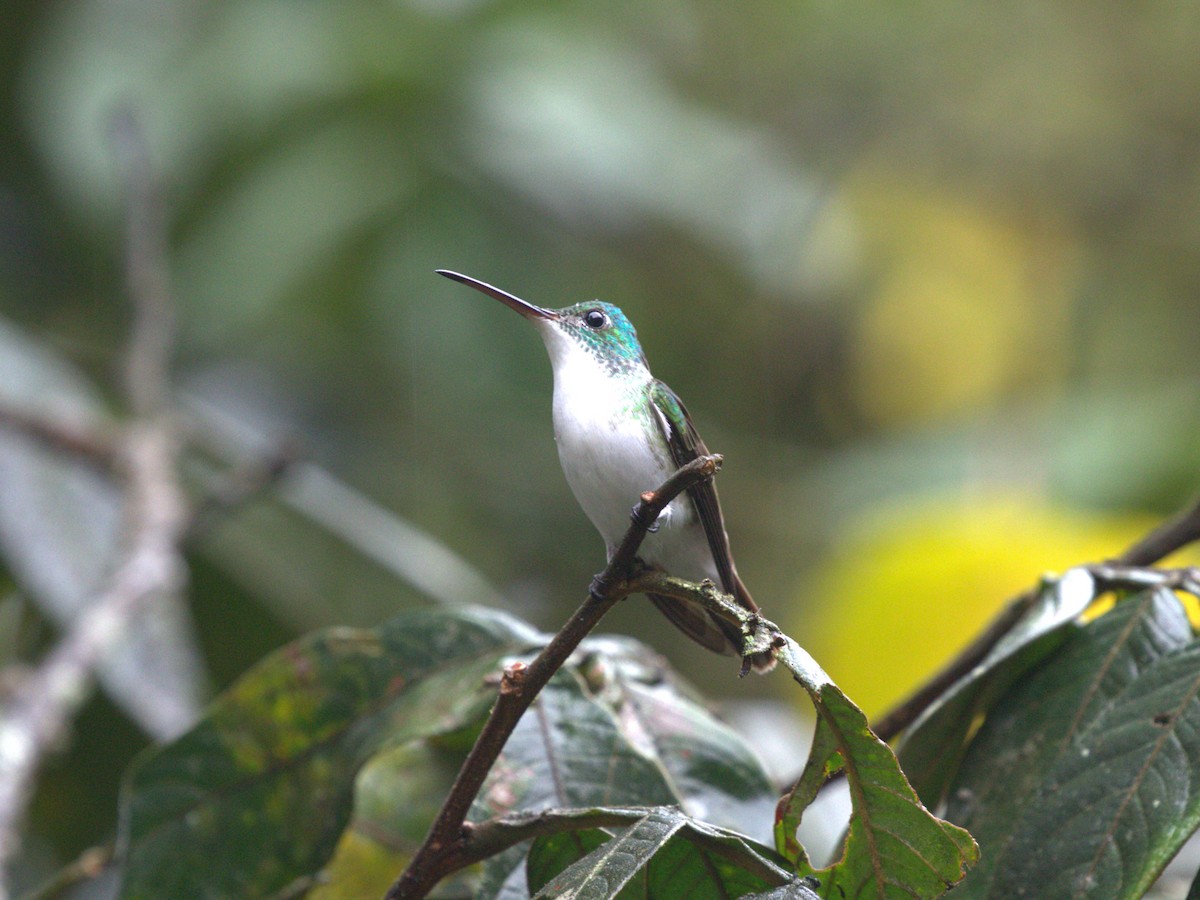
[927, 275]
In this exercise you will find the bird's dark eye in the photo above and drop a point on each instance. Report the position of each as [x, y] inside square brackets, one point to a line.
[595, 319]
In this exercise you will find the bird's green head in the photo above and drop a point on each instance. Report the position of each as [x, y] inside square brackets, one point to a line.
[604, 330]
[597, 327]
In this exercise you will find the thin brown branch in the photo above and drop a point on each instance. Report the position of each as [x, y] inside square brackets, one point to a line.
[148, 566]
[240, 485]
[703, 593]
[761, 638]
[496, 835]
[96, 446]
[444, 849]
[906, 712]
[1161, 542]
[1172, 535]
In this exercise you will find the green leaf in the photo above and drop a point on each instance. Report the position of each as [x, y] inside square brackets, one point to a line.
[895, 846]
[932, 748]
[714, 773]
[664, 855]
[1122, 799]
[613, 731]
[565, 752]
[552, 855]
[1038, 723]
[258, 794]
[315, 763]
[396, 795]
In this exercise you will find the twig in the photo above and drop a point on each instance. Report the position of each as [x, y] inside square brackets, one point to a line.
[1164, 540]
[1111, 577]
[496, 835]
[444, 849]
[400, 547]
[95, 446]
[906, 712]
[240, 485]
[149, 568]
[148, 565]
[88, 866]
[152, 334]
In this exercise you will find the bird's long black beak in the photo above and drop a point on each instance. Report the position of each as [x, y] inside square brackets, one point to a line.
[528, 310]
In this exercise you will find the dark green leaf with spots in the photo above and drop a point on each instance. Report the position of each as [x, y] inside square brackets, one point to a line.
[932, 748]
[258, 794]
[1121, 794]
[1042, 719]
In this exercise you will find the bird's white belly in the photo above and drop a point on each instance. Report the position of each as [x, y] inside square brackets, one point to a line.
[611, 453]
[608, 462]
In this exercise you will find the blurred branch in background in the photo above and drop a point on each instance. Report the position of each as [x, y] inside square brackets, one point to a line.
[406, 551]
[149, 567]
[144, 455]
[401, 548]
[88, 445]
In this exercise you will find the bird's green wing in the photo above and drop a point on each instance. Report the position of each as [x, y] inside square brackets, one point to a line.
[676, 426]
[709, 629]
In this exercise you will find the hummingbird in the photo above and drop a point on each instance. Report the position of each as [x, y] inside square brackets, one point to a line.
[620, 432]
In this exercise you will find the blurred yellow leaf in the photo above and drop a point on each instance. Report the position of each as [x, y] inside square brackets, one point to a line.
[908, 587]
[966, 303]
[361, 867]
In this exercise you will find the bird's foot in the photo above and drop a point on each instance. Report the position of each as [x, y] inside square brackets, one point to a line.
[599, 588]
[636, 515]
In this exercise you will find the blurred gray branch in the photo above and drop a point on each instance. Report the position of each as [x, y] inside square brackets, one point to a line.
[142, 454]
[405, 550]
[149, 567]
[402, 548]
[90, 445]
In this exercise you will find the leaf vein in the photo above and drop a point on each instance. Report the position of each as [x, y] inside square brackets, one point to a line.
[1131, 792]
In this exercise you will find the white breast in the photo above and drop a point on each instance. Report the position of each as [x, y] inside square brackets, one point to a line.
[611, 454]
